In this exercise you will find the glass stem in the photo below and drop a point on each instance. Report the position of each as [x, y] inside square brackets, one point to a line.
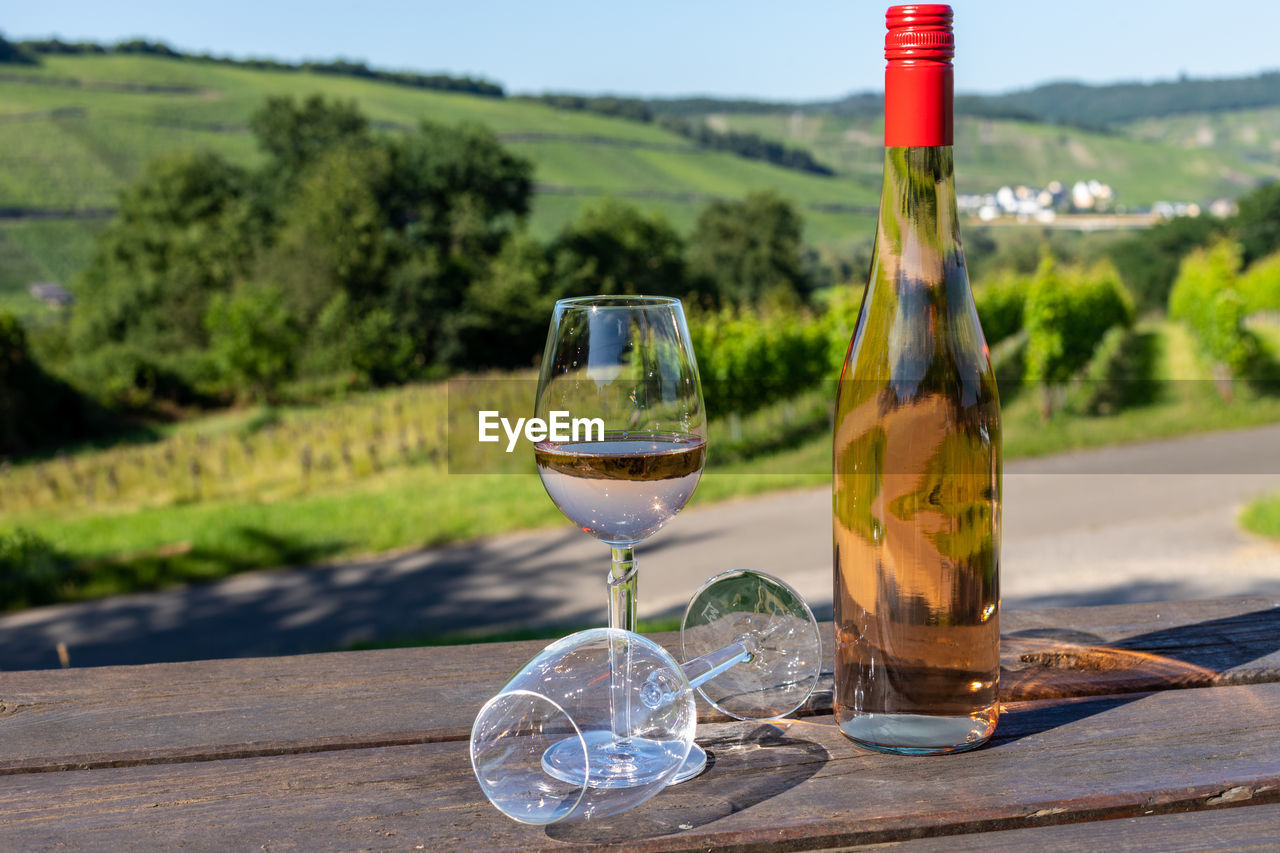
[701, 670]
[622, 589]
[622, 614]
[658, 690]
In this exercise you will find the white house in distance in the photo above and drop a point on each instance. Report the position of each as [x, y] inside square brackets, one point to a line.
[51, 294]
[1044, 205]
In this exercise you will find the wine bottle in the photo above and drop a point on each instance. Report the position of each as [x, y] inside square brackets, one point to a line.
[917, 445]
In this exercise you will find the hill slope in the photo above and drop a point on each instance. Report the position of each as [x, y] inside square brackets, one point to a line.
[76, 129]
[1066, 102]
[1153, 160]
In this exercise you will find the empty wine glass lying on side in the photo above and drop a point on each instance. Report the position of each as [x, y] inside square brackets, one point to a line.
[567, 738]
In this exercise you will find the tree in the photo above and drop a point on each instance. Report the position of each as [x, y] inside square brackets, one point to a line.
[400, 228]
[14, 54]
[1257, 223]
[456, 190]
[614, 247]
[452, 196]
[368, 244]
[1207, 299]
[296, 134]
[504, 319]
[750, 250]
[186, 230]
[1067, 313]
[253, 338]
[1149, 261]
[333, 235]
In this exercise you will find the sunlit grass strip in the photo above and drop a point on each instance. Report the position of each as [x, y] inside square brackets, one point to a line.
[1263, 517]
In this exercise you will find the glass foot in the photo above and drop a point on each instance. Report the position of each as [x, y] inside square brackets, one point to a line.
[636, 763]
[693, 765]
[741, 606]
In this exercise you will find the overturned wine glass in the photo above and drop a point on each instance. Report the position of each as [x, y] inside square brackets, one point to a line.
[602, 720]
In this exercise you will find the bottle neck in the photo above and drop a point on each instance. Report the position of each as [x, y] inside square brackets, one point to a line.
[918, 324]
[918, 103]
[919, 229]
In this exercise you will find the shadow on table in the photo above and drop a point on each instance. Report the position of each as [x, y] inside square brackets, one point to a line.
[1130, 592]
[743, 770]
[1076, 675]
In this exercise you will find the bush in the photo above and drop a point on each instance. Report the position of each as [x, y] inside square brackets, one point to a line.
[1257, 224]
[128, 377]
[1206, 298]
[36, 409]
[748, 361]
[31, 570]
[1118, 374]
[1067, 314]
[748, 252]
[1149, 260]
[839, 323]
[14, 54]
[253, 339]
[1000, 307]
[1260, 285]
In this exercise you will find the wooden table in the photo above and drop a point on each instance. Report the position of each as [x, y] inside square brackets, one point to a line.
[1140, 727]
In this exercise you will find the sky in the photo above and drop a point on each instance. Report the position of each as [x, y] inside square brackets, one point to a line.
[750, 48]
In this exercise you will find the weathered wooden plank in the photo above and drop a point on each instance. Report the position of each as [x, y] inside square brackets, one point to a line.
[114, 716]
[55, 719]
[796, 786]
[1252, 828]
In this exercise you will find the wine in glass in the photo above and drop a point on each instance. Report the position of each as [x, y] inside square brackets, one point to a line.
[625, 364]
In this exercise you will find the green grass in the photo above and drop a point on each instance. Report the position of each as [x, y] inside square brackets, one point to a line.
[1263, 517]
[158, 546]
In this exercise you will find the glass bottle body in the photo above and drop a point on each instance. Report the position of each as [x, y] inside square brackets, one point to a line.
[917, 485]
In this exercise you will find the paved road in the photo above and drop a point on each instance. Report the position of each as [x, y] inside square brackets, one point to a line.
[1140, 523]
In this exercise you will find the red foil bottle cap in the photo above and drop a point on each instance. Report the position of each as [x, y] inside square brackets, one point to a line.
[918, 79]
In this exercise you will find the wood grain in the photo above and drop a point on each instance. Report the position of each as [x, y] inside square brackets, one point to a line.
[800, 785]
[205, 710]
[1255, 828]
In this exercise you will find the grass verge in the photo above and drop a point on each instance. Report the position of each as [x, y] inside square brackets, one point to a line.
[1263, 517]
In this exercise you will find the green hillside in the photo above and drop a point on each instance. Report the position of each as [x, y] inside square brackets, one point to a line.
[76, 129]
[1145, 163]
[1253, 135]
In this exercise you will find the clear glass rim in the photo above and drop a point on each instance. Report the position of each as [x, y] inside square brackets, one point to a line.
[506, 695]
[618, 301]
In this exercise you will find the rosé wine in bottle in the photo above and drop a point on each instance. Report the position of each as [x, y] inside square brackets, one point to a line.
[917, 445]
